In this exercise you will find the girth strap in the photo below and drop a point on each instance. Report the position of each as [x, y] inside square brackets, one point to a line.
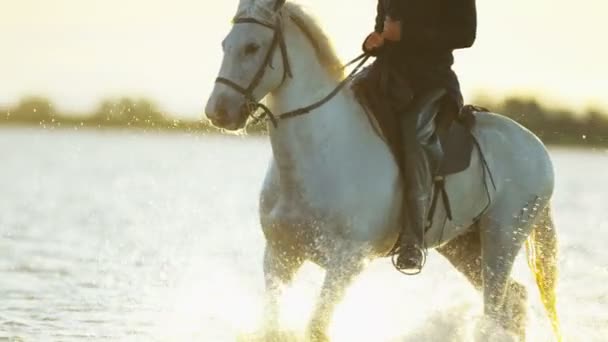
[439, 190]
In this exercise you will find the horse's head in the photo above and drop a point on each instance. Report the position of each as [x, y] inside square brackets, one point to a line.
[254, 64]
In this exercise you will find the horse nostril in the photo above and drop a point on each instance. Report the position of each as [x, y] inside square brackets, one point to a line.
[221, 112]
[218, 112]
[221, 116]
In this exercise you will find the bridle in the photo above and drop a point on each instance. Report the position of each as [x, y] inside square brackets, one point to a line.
[278, 40]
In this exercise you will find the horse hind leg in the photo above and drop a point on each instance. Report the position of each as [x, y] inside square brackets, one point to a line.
[503, 232]
[515, 309]
[465, 254]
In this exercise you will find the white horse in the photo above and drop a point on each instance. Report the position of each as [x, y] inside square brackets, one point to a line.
[332, 193]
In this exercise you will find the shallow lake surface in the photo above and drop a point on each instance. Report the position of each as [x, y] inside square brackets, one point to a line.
[122, 236]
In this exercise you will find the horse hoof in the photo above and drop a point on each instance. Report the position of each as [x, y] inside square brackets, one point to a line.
[488, 330]
[271, 336]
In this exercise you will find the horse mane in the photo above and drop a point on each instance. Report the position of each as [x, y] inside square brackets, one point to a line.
[306, 23]
[325, 51]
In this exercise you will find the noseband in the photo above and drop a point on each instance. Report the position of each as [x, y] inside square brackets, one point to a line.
[279, 40]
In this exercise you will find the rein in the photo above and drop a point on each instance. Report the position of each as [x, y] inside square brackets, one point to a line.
[279, 40]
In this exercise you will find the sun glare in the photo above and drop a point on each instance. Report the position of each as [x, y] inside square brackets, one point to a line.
[205, 295]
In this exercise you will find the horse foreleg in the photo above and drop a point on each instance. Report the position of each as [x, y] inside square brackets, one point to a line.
[337, 278]
[279, 270]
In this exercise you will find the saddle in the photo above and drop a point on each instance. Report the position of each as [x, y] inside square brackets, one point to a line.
[452, 129]
[437, 120]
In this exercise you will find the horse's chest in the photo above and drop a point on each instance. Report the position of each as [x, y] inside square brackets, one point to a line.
[295, 222]
[328, 211]
[320, 233]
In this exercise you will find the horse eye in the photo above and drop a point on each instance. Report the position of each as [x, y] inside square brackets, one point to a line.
[250, 49]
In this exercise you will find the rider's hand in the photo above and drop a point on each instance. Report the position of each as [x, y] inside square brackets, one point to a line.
[392, 30]
[373, 42]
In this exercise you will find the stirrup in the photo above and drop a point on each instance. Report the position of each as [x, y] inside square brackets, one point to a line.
[414, 271]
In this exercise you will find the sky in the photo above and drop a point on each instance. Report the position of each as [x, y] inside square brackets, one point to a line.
[77, 52]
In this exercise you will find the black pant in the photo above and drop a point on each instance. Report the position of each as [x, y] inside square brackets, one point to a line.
[420, 156]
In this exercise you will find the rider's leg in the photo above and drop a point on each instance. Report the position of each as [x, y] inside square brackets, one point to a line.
[419, 143]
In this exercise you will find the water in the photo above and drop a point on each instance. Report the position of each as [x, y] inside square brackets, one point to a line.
[125, 236]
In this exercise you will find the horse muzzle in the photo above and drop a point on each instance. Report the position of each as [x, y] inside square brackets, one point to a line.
[227, 114]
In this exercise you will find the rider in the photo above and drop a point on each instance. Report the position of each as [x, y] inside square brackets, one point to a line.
[416, 38]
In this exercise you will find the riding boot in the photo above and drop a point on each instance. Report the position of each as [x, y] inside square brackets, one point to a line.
[420, 156]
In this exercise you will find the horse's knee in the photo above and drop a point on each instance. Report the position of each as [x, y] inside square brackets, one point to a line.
[518, 292]
[317, 333]
[281, 262]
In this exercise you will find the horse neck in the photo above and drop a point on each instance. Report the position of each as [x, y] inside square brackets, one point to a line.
[331, 131]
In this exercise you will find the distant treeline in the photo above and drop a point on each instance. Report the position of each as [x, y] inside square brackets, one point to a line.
[119, 113]
[553, 126]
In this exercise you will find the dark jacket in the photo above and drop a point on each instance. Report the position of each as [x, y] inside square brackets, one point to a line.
[430, 31]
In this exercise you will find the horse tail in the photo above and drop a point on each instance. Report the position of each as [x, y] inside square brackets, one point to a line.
[542, 248]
